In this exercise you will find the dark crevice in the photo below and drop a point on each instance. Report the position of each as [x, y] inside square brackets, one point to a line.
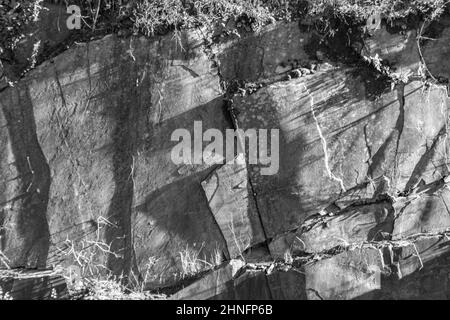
[233, 116]
[230, 88]
[399, 126]
[389, 152]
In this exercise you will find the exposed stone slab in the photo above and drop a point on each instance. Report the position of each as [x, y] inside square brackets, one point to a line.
[301, 186]
[382, 146]
[436, 51]
[248, 286]
[429, 283]
[415, 254]
[232, 203]
[25, 182]
[257, 285]
[358, 273]
[399, 49]
[104, 114]
[402, 50]
[222, 284]
[283, 245]
[210, 285]
[422, 214]
[287, 285]
[32, 285]
[86, 165]
[355, 225]
[348, 275]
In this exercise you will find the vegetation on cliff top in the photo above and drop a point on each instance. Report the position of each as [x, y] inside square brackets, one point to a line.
[151, 17]
[388, 9]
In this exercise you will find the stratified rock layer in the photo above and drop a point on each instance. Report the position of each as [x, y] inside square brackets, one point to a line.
[358, 207]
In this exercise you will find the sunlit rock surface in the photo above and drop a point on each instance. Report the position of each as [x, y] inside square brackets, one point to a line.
[357, 210]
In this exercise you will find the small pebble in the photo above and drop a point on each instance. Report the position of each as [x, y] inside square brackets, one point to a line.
[296, 73]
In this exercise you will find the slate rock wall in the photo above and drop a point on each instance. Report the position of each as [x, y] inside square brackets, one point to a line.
[358, 208]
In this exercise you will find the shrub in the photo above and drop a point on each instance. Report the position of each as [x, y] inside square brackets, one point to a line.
[150, 16]
[388, 9]
[14, 17]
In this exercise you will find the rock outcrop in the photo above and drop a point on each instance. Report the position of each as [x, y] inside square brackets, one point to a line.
[359, 207]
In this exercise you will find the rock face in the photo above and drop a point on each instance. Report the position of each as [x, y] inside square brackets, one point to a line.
[32, 285]
[101, 117]
[230, 198]
[374, 147]
[357, 209]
